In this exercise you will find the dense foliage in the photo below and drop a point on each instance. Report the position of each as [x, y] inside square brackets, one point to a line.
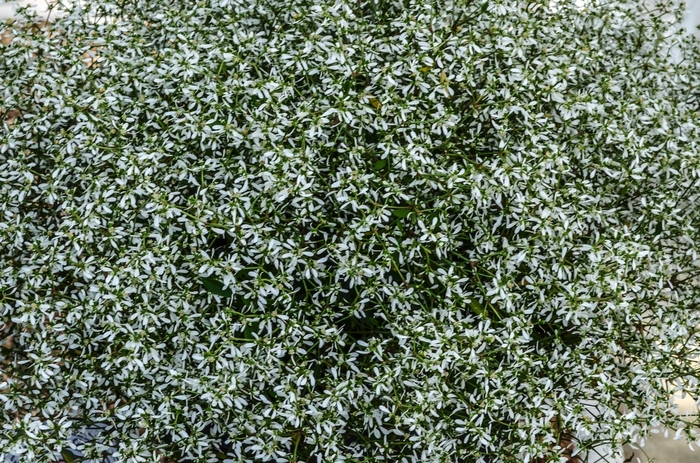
[402, 231]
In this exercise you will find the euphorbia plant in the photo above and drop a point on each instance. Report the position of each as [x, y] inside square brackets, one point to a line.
[348, 231]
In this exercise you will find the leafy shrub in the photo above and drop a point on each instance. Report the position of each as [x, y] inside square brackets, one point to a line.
[260, 230]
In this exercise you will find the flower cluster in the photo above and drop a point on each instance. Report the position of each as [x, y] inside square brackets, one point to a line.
[346, 231]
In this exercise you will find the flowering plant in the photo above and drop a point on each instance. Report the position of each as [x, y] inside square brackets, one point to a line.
[346, 231]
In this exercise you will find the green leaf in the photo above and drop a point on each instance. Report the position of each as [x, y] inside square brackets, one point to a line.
[379, 164]
[403, 212]
[479, 309]
[248, 333]
[68, 456]
[216, 287]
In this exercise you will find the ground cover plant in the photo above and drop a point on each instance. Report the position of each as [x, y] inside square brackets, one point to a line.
[346, 231]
